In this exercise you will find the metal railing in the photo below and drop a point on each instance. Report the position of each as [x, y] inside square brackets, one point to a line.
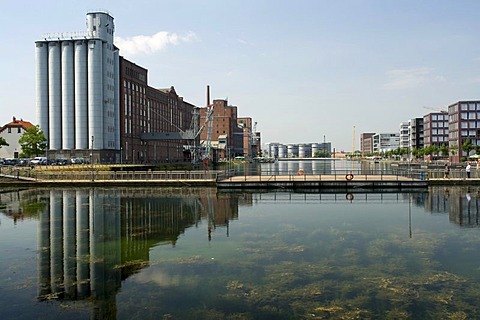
[93, 175]
[414, 174]
[84, 175]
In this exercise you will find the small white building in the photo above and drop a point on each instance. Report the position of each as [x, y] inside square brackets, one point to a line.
[12, 132]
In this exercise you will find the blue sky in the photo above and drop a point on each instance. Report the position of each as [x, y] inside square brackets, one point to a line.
[302, 69]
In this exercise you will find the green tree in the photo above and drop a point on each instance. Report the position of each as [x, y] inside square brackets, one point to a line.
[453, 149]
[3, 142]
[33, 142]
[467, 146]
[321, 154]
[444, 150]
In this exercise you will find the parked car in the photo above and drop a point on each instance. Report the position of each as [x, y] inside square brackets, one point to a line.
[62, 162]
[10, 161]
[24, 162]
[39, 160]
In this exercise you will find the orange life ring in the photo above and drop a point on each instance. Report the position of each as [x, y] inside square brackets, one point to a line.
[300, 172]
[349, 196]
[349, 176]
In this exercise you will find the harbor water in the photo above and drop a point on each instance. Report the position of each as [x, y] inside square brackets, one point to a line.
[150, 253]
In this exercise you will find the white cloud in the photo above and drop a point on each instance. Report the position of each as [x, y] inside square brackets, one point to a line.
[410, 78]
[151, 44]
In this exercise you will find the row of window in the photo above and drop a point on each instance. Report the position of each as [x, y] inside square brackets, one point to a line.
[19, 130]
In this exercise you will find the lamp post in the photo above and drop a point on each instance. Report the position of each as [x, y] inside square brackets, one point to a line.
[91, 159]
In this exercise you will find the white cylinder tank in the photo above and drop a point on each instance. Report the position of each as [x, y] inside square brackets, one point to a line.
[314, 149]
[41, 81]
[292, 150]
[301, 151]
[282, 151]
[95, 94]
[68, 99]
[116, 103]
[273, 152]
[81, 94]
[108, 97]
[54, 96]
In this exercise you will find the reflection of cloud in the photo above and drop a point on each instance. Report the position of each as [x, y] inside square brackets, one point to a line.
[474, 80]
[410, 78]
[151, 44]
[160, 278]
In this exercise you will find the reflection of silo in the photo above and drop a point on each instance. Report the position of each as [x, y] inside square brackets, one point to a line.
[293, 167]
[292, 150]
[301, 151]
[97, 244]
[56, 240]
[69, 243]
[282, 151]
[43, 261]
[314, 149]
[83, 267]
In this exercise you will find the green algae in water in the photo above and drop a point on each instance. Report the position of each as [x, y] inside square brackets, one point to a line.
[179, 254]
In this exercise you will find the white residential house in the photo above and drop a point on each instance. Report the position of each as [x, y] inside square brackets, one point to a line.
[12, 132]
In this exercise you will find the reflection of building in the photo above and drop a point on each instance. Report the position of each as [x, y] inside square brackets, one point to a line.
[91, 240]
[461, 204]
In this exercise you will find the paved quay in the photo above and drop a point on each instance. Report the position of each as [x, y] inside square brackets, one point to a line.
[250, 182]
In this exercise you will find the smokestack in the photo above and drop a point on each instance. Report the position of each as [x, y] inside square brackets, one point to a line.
[208, 95]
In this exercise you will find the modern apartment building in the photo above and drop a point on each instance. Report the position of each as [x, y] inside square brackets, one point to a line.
[415, 132]
[383, 142]
[464, 123]
[77, 80]
[404, 135]
[435, 129]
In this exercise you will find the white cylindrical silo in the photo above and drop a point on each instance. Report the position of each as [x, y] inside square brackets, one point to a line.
[314, 149]
[282, 151]
[301, 151]
[116, 103]
[273, 152]
[81, 96]
[68, 96]
[41, 81]
[55, 96]
[95, 94]
[108, 97]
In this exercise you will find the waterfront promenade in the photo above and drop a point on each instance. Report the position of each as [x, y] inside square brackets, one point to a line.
[226, 180]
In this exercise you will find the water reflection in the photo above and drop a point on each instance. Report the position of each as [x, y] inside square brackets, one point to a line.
[91, 240]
